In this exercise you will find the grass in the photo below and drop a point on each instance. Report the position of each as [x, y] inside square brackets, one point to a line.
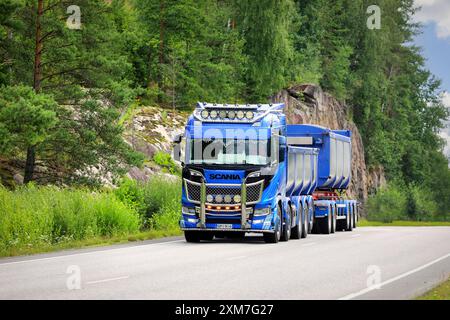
[402, 223]
[42, 219]
[91, 242]
[441, 292]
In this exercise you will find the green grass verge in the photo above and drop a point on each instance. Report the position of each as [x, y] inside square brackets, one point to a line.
[91, 242]
[402, 223]
[441, 292]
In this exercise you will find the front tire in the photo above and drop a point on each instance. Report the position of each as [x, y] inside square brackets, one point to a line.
[276, 235]
[192, 236]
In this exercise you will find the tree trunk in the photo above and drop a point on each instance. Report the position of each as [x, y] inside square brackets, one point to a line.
[37, 75]
[162, 27]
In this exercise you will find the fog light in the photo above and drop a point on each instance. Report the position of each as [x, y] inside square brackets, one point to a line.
[188, 211]
[227, 199]
[237, 198]
[262, 211]
[219, 198]
[209, 198]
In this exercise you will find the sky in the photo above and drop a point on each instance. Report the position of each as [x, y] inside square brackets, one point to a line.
[435, 42]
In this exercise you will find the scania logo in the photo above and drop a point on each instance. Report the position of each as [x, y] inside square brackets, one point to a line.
[220, 176]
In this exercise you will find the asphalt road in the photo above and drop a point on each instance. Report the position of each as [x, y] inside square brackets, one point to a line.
[404, 261]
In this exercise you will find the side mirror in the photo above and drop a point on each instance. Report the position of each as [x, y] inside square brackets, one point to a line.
[177, 148]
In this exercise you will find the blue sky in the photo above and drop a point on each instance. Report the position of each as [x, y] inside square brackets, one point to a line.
[437, 52]
[435, 43]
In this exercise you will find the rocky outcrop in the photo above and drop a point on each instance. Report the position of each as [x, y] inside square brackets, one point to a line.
[307, 103]
[149, 130]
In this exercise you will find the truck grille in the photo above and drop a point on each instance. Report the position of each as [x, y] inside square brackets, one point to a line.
[254, 191]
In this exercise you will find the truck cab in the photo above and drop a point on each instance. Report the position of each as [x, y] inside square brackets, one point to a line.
[244, 171]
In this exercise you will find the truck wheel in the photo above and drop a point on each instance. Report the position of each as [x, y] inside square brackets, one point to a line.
[286, 226]
[275, 236]
[349, 221]
[192, 236]
[208, 236]
[305, 222]
[296, 232]
[326, 223]
[334, 221]
[355, 216]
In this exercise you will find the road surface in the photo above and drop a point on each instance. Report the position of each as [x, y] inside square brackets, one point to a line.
[404, 261]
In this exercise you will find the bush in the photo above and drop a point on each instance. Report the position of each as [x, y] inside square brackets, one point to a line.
[421, 205]
[32, 216]
[387, 204]
[158, 200]
[165, 161]
[131, 193]
[163, 201]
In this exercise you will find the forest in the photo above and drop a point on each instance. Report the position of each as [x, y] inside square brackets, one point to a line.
[70, 69]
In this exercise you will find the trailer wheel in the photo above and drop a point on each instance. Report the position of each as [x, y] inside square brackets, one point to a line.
[334, 221]
[276, 235]
[326, 223]
[192, 236]
[286, 226]
[355, 215]
[305, 222]
[296, 232]
[349, 220]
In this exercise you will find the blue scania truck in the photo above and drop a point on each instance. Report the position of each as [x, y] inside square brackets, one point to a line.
[245, 170]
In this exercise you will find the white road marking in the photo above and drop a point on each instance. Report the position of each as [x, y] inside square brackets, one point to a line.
[107, 280]
[401, 276]
[85, 253]
[308, 244]
[355, 235]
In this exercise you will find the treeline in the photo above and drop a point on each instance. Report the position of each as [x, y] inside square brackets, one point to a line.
[176, 52]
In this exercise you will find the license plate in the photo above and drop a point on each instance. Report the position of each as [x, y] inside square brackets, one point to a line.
[224, 226]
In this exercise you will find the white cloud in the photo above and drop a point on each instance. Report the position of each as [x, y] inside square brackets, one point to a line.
[437, 11]
[445, 133]
[446, 99]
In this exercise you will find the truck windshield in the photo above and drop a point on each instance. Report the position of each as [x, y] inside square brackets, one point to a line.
[229, 151]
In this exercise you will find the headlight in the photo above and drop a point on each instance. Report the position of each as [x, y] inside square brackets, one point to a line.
[219, 198]
[227, 199]
[240, 114]
[213, 114]
[262, 211]
[222, 114]
[249, 115]
[237, 198]
[195, 173]
[231, 115]
[188, 210]
[209, 198]
[205, 114]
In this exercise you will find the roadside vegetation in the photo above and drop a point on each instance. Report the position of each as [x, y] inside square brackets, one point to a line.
[408, 203]
[441, 292]
[35, 218]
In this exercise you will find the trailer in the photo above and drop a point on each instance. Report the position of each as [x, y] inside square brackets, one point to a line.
[246, 171]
